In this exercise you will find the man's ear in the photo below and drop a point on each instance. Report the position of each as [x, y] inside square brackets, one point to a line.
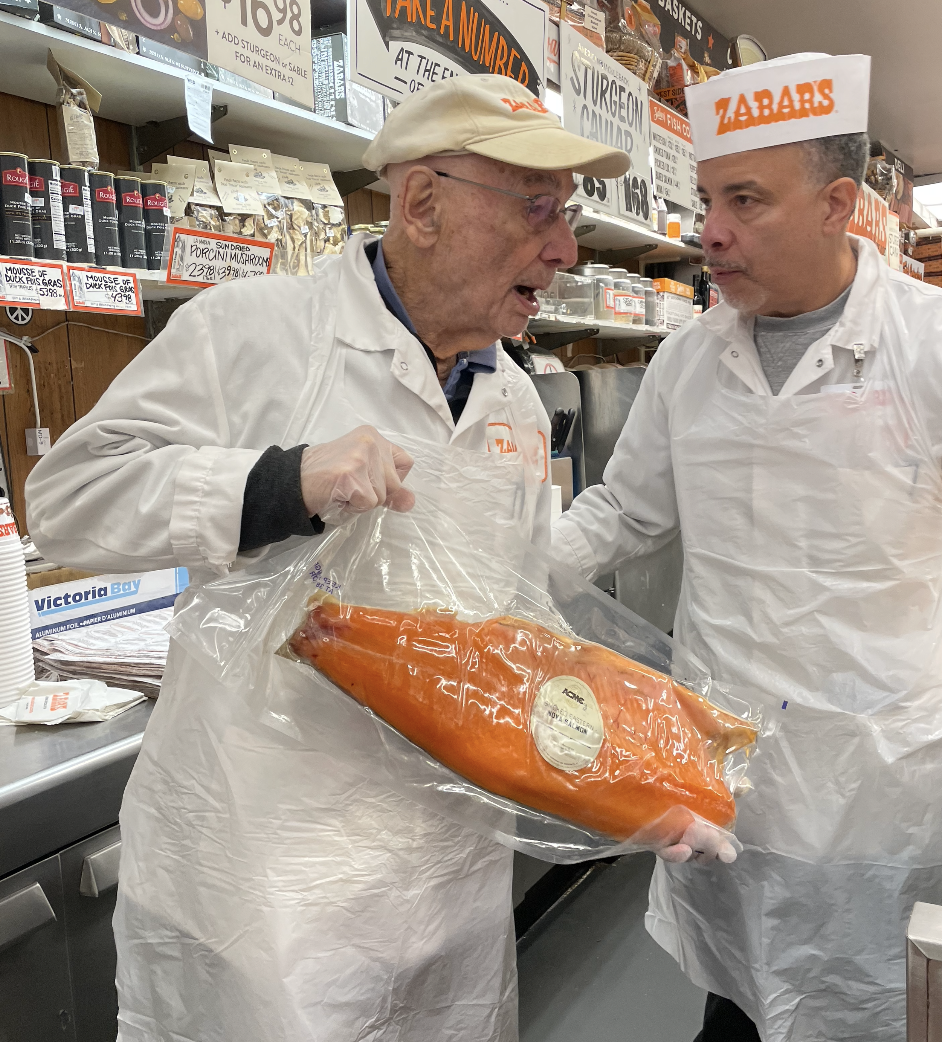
[841, 199]
[420, 201]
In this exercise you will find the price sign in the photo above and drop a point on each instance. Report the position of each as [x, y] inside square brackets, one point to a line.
[266, 41]
[604, 102]
[110, 292]
[675, 167]
[33, 284]
[208, 258]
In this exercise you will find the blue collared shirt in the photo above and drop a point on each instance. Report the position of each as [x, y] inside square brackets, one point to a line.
[458, 385]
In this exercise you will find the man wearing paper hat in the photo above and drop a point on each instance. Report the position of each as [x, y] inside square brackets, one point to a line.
[270, 892]
[792, 436]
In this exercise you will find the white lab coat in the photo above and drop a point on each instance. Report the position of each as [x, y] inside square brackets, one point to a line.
[268, 891]
[812, 532]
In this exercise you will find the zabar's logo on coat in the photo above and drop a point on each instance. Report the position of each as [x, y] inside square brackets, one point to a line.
[801, 102]
[500, 438]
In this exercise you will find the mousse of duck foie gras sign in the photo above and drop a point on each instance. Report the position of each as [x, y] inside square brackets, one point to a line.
[401, 46]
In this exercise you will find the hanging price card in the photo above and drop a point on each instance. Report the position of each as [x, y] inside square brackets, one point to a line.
[33, 284]
[207, 258]
[675, 167]
[112, 292]
[266, 41]
[604, 102]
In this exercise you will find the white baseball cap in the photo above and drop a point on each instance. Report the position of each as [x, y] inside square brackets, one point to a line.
[492, 116]
[795, 98]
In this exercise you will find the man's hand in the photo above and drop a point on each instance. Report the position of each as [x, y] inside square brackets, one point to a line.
[354, 474]
[701, 842]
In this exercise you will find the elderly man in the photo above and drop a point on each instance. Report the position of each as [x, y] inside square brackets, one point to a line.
[270, 893]
[793, 435]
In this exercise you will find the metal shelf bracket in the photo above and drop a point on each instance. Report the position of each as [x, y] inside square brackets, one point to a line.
[156, 137]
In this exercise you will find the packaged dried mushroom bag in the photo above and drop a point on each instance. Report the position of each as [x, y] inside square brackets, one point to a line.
[300, 232]
[272, 224]
[331, 221]
[240, 202]
[76, 103]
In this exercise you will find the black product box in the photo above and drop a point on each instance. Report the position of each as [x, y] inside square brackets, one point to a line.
[28, 9]
[335, 95]
[70, 21]
[170, 56]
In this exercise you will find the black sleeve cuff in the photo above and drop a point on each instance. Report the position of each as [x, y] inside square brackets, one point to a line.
[272, 505]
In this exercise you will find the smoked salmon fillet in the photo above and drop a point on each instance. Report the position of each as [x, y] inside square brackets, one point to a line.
[562, 726]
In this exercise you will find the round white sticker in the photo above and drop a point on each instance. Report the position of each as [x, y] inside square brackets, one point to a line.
[566, 724]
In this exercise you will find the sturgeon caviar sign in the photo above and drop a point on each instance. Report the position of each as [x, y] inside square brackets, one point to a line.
[401, 46]
[604, 102]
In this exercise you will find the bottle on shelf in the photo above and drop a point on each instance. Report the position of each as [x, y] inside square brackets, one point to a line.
[698, 305]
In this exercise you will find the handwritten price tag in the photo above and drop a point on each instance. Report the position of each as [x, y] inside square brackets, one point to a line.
[33, 284]
[112, 292]
[208, 259]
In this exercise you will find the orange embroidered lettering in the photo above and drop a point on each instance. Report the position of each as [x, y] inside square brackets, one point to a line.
[725, 124]
[826, 105]
[742, 117]
[447, 16]
[765, 107]
[805, 92]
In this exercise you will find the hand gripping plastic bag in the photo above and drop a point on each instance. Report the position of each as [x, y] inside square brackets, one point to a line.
[466, 670]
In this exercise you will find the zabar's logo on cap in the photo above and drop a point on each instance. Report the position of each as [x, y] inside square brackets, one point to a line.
[810, 99]
[534, 105]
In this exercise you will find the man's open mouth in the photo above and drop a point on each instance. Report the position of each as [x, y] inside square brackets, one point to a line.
[528, 296]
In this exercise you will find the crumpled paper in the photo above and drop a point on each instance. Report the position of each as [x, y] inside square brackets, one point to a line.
[74, 701]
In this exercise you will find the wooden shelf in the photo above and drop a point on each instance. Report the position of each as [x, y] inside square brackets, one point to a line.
[136, 90]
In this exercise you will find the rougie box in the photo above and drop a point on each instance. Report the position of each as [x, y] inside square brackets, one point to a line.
[924, 974]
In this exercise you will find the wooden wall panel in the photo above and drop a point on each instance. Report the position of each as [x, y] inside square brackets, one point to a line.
[380, 206]
[98, 357]
[359, 206]
[54, 389]
[23, 127]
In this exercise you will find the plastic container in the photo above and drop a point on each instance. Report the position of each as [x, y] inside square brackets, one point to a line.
[604, 298]
[673, 226]
[637, 296]
[650, 302]
[574, 295]
[624, 302]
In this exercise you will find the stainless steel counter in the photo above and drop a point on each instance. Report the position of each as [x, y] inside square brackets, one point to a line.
[60, 784]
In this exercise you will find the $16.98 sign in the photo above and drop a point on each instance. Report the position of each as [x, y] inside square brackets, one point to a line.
[604, 102]
[267, 41]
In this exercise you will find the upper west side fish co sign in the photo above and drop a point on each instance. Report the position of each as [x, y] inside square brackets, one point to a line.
[400, 46]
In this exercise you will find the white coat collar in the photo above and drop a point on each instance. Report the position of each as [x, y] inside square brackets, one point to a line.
[861, 323]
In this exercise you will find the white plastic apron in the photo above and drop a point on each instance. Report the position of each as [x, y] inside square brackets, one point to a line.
[272, 893]
[812, 533]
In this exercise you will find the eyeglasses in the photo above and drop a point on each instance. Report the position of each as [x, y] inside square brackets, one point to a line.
[542, 210]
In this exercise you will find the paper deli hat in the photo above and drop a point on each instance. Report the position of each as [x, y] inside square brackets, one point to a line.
[492, 116]
[779, 102]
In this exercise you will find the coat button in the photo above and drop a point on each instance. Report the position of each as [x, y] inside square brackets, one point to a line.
[504, 391]
[819, 362]
[735, 354]
[403, 366]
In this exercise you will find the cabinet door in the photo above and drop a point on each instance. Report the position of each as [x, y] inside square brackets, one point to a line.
[90, 886]
[35, 993]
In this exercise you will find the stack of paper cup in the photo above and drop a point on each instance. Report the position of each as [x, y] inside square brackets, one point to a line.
[16, 645]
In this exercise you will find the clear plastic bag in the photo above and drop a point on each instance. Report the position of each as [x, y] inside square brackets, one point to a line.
[504, 675]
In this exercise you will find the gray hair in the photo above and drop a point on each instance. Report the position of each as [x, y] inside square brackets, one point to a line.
[842, 155]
